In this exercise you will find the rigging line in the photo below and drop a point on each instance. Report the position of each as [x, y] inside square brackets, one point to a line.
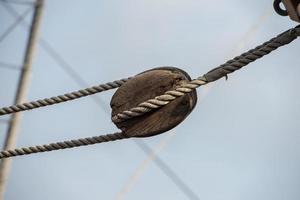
[15, 24]
[59, 59]
[63, 145]
[13, 12]
[171, 174]
[69, 70]
[9, 66]
[63, 98]
[232, 65]
[29, 3]
[241, 44]
[215, 74]
[262, 19]
[223, 70]
[143, 166]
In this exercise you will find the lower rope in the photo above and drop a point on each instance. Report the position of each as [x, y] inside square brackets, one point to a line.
[63, 145]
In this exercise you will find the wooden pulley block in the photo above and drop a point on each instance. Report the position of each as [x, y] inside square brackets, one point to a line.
[148, 85]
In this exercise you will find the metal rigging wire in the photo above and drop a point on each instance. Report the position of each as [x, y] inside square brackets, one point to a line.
[15, 24]
[9, 66]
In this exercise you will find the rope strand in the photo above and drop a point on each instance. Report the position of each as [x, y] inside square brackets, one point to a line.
[63, 145]
[62, 98]
[213, 75]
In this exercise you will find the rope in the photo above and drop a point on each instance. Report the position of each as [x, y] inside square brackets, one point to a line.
[159, 101]
[63, 145]
[149, 105]
[62, 98]
[213, 75]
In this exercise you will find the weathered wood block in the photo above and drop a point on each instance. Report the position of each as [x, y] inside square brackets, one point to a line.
[147, 85]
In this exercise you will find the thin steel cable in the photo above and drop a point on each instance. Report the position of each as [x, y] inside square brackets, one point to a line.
[58, 59]
[15, 24]
[62, 98]
[9, 66]
[213, 75]
[170, 173]
[27, 3]
[144, 164]
[64, 65]
[63, 145]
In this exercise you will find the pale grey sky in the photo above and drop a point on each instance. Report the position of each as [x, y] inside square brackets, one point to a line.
[242, 141]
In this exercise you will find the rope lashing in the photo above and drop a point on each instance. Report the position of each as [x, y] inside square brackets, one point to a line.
[213, 75]
[159, 101]
[62, 98]
[63, 145]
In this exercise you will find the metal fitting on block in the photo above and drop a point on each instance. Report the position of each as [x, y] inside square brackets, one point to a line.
[292, 8]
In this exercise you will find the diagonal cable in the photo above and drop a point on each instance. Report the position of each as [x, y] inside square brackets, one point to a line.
[169, 173]
[62, 145]
[143, 166]
[15, 24]
[57, 57]
[70, 70]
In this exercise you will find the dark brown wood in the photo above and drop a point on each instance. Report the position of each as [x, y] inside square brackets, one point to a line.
[148, 85]
[293, 9]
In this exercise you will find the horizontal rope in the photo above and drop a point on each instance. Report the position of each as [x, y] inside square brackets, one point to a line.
[62, 98]
[63, 145]
[213, 75]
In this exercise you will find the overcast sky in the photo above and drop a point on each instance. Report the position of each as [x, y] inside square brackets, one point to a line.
[242, 141]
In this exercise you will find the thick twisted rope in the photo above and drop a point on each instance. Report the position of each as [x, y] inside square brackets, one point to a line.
[63, 145]
[213, 75]
[62, 98]
[155, 103]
